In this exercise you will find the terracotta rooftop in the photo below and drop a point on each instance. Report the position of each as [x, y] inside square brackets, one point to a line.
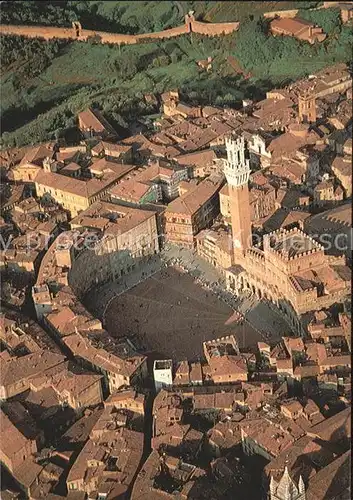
[332, 481]
[111, 149]
[292, 406]
[225, 434]
[12, 440]
[323, 80]
[66, 377]
[343, 165]
[306, 370]
[292, 26]
[271, 111]
[288, 143]
[27, 473]
[111, 218]
[267, 435]
[130, 190]
[299, 459]
[293, 344]
[82, 347]
[123, 396]
[191, 201]
[93, 119]
[227, 365]
[182, 129]
[37, 154]
[108, 446]
[334, 428]
[17, 369]
[315, 352]
[85, 189]
[103, 165]
[283, 218]
[197, 159]
[191, 480]
[211, 111]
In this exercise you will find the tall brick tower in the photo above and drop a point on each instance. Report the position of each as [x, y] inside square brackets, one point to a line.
[237, 172]
[307, 108]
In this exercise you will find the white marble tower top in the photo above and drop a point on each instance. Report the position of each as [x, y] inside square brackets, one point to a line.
[237, 168]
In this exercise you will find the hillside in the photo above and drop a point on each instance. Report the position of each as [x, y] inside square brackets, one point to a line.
[217, 12]
[45, 84]
[135, 17]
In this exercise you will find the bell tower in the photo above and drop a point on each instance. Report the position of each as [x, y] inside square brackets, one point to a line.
[237, 172]
[307, 108]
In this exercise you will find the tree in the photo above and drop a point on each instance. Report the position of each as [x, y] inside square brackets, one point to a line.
[58, 133]
[229, 98]
[251, 44]
[160, 61]
[328, 19]
[127, 67]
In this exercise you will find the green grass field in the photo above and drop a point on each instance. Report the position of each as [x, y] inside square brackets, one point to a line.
[37, 105]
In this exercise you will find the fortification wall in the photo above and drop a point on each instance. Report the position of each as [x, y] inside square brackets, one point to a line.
[46, 32]
[213, 29]
[190, 25]
[179, 30]
[328, 5]
[116, 38]
[105, 37]
[49, 33]
[281, 13]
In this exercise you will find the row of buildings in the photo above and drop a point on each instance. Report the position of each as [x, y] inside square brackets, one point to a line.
[260, 417]
[241, 189]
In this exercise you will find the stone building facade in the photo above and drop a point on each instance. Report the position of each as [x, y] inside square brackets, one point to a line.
[286, 489]
[287, 267]
[186, 216]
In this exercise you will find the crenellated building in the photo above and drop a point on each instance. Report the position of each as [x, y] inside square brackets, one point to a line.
[287, 267]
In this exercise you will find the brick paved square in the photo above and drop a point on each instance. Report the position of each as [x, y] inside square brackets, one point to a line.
[172, 315]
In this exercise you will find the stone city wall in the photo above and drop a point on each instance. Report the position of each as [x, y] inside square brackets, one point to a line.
[294, 12]
[190, 25]
[213, 29]
[49, 32]
[281, 13]
[328, 5]
[45, 32]
[179, 30]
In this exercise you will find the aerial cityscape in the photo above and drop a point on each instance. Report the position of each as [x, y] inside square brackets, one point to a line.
[176, 250]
